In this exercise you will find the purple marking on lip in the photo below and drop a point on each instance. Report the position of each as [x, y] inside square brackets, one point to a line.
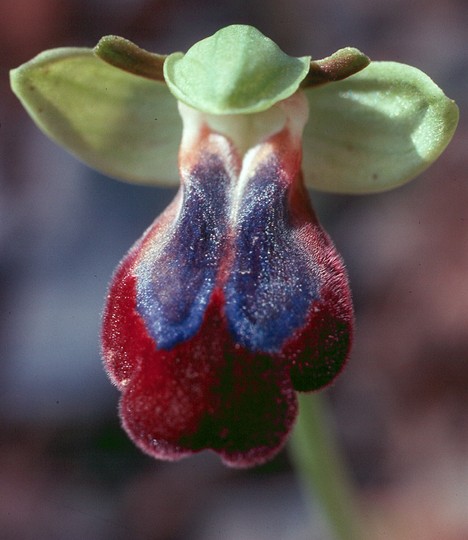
[271, 284]
[174, 285]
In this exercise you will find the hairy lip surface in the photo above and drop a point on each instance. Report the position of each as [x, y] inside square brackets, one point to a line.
[233, 299]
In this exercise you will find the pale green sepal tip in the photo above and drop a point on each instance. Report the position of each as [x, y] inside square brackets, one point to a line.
[376, 129]
[125, 126]
[235, 71]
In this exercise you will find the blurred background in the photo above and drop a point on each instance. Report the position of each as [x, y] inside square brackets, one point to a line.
[67, 471]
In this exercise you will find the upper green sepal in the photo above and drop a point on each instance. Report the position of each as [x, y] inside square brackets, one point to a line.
[236, 71]
[375, 130]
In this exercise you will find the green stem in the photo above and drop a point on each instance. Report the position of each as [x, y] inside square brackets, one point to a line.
[321, 470]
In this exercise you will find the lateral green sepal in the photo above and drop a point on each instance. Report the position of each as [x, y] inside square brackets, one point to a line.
[125, 126]
[376, 129]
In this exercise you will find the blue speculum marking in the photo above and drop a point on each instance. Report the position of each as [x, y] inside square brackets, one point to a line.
[174, 285]
[271, 284]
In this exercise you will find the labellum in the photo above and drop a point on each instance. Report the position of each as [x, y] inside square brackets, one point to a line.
[234, 297]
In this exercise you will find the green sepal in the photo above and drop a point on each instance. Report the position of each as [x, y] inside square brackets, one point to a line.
[236, 71]
[375, 130]
[123, 125]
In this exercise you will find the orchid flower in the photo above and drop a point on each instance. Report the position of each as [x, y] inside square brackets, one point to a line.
[235, 297]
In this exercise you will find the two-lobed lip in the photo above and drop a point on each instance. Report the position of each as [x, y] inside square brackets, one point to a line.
[233, 309]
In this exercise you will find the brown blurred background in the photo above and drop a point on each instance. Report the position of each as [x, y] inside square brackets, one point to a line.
[67, 470]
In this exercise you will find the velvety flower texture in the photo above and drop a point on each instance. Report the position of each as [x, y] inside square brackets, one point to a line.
[232, 300]
[235, 297]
